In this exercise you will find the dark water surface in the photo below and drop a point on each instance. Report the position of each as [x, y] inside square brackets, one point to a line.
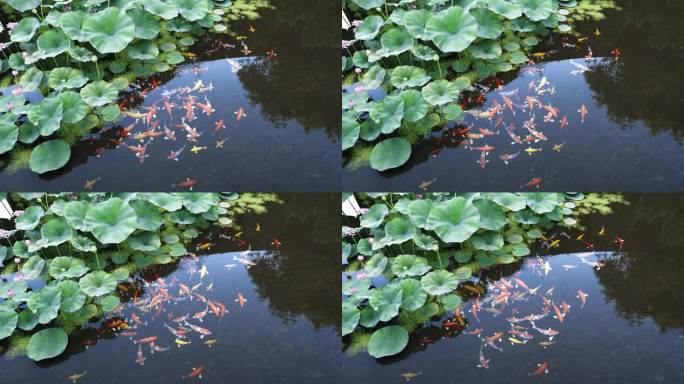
[286, 332]
[631, 139]
[629, 331]
[288, 140]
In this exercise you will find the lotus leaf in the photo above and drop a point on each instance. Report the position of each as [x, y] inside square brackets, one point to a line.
[536, 10]
[33, 267]
[486, 49]
[369, 28]
[426, 242]
[350, 318]
[418, 211]
[369, 4]
[47, 115]
[441, 92]
[414, 21]
[396, 41]
[452, 30]
[52, 42]
[388, 113]
[399, 230]
[409, 265]
[64, 267]
[504, 8]
[143, 50]
[439, 282]
[109, 303]
[454, 221]
[148, 216]
[451, 302]
[145, 241]
[492, 216]
[8, 137]
[75, 212]
[72, 297]
[487, 241]
[350, 132]
[390, 153]
[111, 221]
[489, 25]
[31, 79]
[520, 250]
[374, 217]
[413, 296]
[146, 25]
[45, 303]
[28, 132]
[408, 76]
[191, 10]
[369, 317]
[23, 5]
[386, 301]
[27, 320]
[388, 341]
[8, 322]
[543, 202]
[25, 30]
[66, 78]
[99, 93]
[109, 30]
[97, 283]
[55, 232]
[167, 201]
[376, 265]
[72, 25]
[374, 77]
[47, 343]
[161, 9]
[11, 288]
[83, 244]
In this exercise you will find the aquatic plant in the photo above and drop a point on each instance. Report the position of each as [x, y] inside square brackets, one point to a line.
[408, 64]
[71, 251]
[68, 61]
[416, 250]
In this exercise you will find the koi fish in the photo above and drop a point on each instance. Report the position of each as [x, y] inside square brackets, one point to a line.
[547, 268]
[168, 106]
[546, 332]
[271, 54]
[202, 331]
[513, 340]
[170, 135]
[210, 342]
[203, 271]
[483, 160]
[155, 348]
[189, 109]
[484, 363]
[180, 342]
[89, 184]
[484, 149]
[541, 368]
[475, 331]
[146, 340]
[559, 316]
[509, 104]
[140, 359]
[582, 296]
[516, 139]
[564, 122]
[487, 132]
[597, 32]
[240, 114]
[199, 84]
[554, 243]
[583, 112]
[558, 147]
[188, 183]
[180, 334]
[134, 115]
[241, 300]
[77, 376]
[566, 307]
[235, 67]
[152, 112]
[495, 337]
[545, 344]
[602, 231]
[137, 320]
[530, 150]
[196, 372]
[532, 101]
[620, 241]
[174, 155]
[197, 149]
[207, 108]
[219, 125]
[616, 53]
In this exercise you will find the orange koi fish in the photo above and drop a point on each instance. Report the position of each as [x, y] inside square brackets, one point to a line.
[189, 109]
[207, 108]
[76, 376]
[240, 114]
[196, 372]
[582, 296]
[140, 359]
[137, 320]
[202, 331]
[271, 54]
[534, 182]
[241, 300]
[483, 160]
[219, 126]
[485, 148]
[168, 106]
[541, 368]
[509, 104]
[146, 340]
[484, 363]
[558, 313]
[564, 122]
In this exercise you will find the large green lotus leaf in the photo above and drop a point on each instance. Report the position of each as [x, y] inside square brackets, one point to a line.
[97, 283]
[386, 301]
[351, 129]
[374, 77]
[451, 302]
[388, 113]
[27, 320]
[492, 216]
[520, 250]
[8, 137]
[25, 30]
[440, 92]
[409, 265]
[464, 273]
[369, 28]
[512, 201]
[388, 341]
[350, 318]
[390, 153]
[504, 8]
[111, 221]
[149, 217]
[414, 22]
[373, 218]
[164, 200]
[398, 230]
[56, 231]
[488, 241]
[65, 267]
[23, 5]
[543, 202]
[413, 296]
[415, 106]
[454, 221]
[355, 286]
[66, 78]
[47, 115]
[369, 4]
[146, 25]
[20, 249]
[81, 54]
[75, 109]
[426, 242]
[31, 79]
[181, 217]
[418, 211]
[109, 30]
[489, 24]
[145, 241]
[45, 303]
[33, 267]
[486, 50]
[72, 296]
[191, 10]
[396, 41]
[28, 132]
[369, 317]
[75, 212]
[525, 217]
[72, 25]
[12, 288]
[99, 93]
[52, 42]
[49, 156]
[8, 322]
[47, 344]
[376, 265]
[161, 9]
[407, 76]
[537, 10]
[439, 282]
[452, 30]
[143, 50]
[198, 202]
[83, 244]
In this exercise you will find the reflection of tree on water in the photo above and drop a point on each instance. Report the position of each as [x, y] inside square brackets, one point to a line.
[644, 83]
[646, 281]
[302, 277]
[297, 84]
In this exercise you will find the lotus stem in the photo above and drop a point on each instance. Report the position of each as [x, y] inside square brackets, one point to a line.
[440, 69]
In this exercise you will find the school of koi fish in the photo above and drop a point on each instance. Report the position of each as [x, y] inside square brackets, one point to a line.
[172, 117]
[182, 308]
[507, 295]
[539, 113]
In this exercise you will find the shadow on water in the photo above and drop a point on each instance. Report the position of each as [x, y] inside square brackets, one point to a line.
[286, 140]
[630, 140]
[630, 330]
[286, 332]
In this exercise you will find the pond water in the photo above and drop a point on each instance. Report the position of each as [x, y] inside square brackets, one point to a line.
[283, 333]
[628, 331]
[274, 71]
[631, 136]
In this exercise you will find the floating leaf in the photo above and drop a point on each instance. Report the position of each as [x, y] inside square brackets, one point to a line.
[99, 93]
[409, 265]
[55, 232]
[66, 78]
[97, 283]
[111, 221]
[369, 28]
[439, 282]
[109, 30]
[452, 30]
[390, 153]
[399, 230]
[45, 303]
[25, 30]
[413, 296]
[65, 267]
[47, 343]
[350, 318]
[49, 156]
[72, 296]
[8, 322]
[454, 221]
[388, 341]
[376, 265]
[373, 218]
[386, 301]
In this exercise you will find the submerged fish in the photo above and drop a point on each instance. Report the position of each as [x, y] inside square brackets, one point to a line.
[77, 376]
